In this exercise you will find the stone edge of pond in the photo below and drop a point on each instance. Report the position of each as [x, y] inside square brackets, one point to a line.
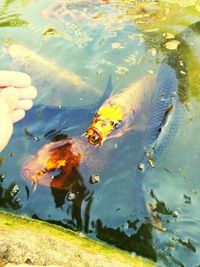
[53, 245]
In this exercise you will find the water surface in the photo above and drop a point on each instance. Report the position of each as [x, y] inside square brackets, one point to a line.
[124, 39]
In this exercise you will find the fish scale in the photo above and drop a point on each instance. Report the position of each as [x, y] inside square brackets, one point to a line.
[159, 135]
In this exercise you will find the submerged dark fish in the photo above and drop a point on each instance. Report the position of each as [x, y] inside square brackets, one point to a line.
[51, 79]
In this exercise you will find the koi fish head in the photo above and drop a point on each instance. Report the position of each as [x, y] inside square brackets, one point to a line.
[105, 122]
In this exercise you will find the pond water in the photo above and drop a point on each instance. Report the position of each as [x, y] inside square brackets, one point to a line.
[70, 49]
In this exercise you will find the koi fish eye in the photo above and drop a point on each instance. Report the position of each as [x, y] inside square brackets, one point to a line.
[116, 125]
[95, 137]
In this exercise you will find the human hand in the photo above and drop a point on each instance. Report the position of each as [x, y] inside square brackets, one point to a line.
[16, 96]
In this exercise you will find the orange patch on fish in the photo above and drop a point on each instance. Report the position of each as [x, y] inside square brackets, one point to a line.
[54, 164]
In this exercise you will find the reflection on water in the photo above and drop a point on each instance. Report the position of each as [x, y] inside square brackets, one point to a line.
[70, 49]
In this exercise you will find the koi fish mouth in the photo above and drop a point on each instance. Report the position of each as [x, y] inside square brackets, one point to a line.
[94, 136]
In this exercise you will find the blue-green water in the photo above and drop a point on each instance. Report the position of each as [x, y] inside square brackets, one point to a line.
[95, 41]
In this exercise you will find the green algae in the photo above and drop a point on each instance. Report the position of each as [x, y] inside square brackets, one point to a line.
[10, 224]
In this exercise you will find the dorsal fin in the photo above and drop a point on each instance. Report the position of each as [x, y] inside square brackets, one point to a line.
[106, 94]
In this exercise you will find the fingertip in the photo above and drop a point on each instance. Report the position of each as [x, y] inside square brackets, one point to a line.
[17, 115]
[25, 104]
[6, 129]
[14, 78]
[27, 79]
[10, 96]
[34, 92]
[20, 79]
[29, 92]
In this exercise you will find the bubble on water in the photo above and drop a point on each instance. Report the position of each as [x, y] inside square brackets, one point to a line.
[168, 35]
[176, 213]
[17, 201]
[151, 72]
[162, 98]
[183, 72]
[30, 135]
[11, 154]
[14, 190]
[117, 46]
[2, 177]
[71, 196]
[172, 45]
[132, 60]
[153, 51]
[141, 166]
[94, 178]
[121, 70]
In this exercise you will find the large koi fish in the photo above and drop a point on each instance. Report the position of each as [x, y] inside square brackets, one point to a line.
[155, 99]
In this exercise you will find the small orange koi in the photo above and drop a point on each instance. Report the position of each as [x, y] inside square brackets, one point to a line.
[117, 114]
[54, 164]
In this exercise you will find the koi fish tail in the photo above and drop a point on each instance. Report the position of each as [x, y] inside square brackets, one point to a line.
[143, 209]
[139, 200]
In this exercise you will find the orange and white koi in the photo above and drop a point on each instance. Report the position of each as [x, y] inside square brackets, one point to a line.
[54, 164]
[118, 113]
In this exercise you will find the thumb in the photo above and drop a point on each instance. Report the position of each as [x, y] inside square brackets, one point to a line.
[6, 126]
[10, 98]
[7, 104]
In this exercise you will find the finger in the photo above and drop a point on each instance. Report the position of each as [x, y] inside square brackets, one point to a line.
[25, 104]
[9, 99]
[14, 78]
[17, 115]
[29, 92]
[6, 128]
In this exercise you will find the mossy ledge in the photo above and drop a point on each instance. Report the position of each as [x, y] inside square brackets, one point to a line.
[32, 242]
